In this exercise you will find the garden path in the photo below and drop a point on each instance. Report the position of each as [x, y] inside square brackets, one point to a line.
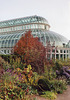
[65, 95]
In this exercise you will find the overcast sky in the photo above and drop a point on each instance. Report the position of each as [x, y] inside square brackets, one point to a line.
[57, 12]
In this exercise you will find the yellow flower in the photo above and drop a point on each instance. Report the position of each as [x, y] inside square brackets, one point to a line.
[32, 81]
[18, 69]
[27, 69]
[29, 66]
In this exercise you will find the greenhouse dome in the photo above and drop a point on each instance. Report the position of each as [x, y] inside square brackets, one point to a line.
[50, 36]
[12, 30]
[44, 36]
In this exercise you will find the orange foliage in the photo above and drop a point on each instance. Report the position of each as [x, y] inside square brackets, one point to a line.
[32, 51]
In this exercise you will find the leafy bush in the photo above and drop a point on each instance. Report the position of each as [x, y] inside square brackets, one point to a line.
[58, 85]
[31, 51]
[15, 84]
[4, 64]
[55, 85]
[49, 73]
[58, 65]
[49, 94]
[66, 62]
[6, 57]
[8, 92]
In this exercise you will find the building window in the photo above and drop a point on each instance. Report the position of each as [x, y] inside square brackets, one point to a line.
[57, 56]
[67, 56]
[60, 51]
[56, 51]
[53, 50]
[4, 51]
[64, 51]
[45, 26]
[61, 56]
[67, 51]
[8, 51]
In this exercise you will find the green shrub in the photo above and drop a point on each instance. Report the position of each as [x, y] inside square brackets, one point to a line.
[49, 73]
[6, 57]
[55, 85]
[3, 64]
[58, 65]
[68, 81]
[49, 94]
[58, 85]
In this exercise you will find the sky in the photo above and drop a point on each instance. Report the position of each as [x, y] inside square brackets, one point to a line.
[57, 12]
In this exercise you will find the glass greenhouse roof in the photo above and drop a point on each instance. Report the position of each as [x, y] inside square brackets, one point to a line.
[10, 40]
[24, 20]
[12, 31]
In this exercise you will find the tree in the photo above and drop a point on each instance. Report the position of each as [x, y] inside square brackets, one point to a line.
[31, 50]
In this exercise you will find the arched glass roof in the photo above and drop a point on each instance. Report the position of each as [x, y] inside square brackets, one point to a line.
[59, 39]
[10, 40]
[24, 20]
[37, 24]
[46, 36]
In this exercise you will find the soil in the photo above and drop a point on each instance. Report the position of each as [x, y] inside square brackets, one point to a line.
[65, 95]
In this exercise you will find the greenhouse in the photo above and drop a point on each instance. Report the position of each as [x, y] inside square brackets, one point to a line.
[12, 30]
